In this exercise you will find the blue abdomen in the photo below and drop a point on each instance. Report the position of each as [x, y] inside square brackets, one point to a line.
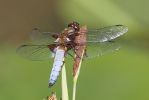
[57, 66]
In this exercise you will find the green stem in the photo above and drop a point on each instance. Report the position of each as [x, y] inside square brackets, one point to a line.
[64, 84]
[74, 89]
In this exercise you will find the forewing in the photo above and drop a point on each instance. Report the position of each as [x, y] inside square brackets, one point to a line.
[35, 52]
[106, 33]
[38, 37]
[99, 49]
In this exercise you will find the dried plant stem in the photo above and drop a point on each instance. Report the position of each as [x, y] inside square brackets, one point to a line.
[76, 78]
[64, 84]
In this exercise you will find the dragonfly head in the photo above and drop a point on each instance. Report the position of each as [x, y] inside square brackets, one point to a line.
[74, 25]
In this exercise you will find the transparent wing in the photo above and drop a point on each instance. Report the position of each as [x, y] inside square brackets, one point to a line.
[35, 52]
[99, 49]
[106, 33]
[70, 54]
[42, 37]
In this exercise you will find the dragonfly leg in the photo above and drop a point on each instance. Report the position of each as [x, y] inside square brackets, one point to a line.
[63, 63]
[76, 54]
[72, 46]
[70, 55]
[85, 53]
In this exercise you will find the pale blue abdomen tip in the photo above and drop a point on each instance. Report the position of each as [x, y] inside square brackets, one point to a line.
[50, 85]
[52, 82]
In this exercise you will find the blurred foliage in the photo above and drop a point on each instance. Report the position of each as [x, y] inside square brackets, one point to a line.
[122, 75]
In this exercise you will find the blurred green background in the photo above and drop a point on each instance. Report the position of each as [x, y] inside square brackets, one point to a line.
[122, 75]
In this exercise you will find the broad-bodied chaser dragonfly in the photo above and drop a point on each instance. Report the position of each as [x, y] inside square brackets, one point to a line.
[68, 43]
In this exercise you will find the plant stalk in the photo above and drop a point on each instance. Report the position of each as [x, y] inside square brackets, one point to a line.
[64, 84]
[76, 78]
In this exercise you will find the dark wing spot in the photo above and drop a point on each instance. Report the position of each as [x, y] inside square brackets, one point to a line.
[119, 25]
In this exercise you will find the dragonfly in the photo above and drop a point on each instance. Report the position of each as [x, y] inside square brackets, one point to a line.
[65, 44]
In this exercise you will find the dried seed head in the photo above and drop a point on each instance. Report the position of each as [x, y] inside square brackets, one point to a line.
[79, 49]
[52, 97]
